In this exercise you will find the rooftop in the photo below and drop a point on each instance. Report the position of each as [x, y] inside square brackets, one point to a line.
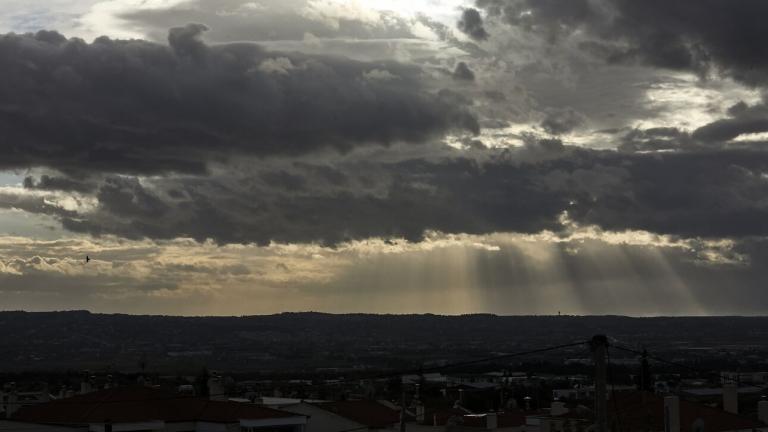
[365, 412]
[136, 404]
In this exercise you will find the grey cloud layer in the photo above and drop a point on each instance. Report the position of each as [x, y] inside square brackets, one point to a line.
[695, 35]
[139, 107]
[743, 119]
[699, 192]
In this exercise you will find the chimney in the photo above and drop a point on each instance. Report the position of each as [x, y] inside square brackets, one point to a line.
[645, 373]
[762, 411]
[731, 398]
[420, 413]
[491, 421]
[558, 408]
[671, 414]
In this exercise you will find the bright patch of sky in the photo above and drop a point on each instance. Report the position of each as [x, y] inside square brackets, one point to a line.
[752, 137]
[684, 101]
[104, 17]
[10, 178]
[25, 16]
[14, 222]
[439, 10]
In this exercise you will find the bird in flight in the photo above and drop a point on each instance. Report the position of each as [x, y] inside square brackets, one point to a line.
[87, 259]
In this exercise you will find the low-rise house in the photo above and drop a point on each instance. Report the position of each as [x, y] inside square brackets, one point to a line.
[649, 412]
[13, 398]
[147, 409]
[347, 416]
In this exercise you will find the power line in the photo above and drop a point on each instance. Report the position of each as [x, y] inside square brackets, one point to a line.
[342, 381]
[486, 359]
[422, 370]
[685, 366]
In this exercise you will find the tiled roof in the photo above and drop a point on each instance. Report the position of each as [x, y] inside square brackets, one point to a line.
[368, 413]
[136, 404]
[638, 411]
[651, 409]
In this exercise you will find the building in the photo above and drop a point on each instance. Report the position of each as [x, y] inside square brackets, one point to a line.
[347, 416]
[12, 398]
[130, 409]
[512, 421]
[649, 412]
[13, 426]
[583, 392]
[279, 402]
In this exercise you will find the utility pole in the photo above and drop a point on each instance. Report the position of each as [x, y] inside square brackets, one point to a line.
[599, 346]
[504, 379]
[645, 373]
[402, 411]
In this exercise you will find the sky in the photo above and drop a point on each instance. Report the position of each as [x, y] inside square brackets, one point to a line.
[237, 157]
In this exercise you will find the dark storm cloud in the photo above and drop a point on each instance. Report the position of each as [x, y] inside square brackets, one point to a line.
[48, 182]
[743, 119]
[462, 72]
[471, 24]
[132, 106]
[696, 35]
[690, 193]
[701, 193]
[727, 129]
[654, 139]
[401, 199]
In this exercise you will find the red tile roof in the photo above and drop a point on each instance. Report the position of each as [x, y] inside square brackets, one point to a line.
[135, 404]
[365, 412]
[638, 411]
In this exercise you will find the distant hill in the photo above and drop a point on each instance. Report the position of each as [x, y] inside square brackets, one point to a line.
[303, 341]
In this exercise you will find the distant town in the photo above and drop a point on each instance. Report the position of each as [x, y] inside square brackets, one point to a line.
[312, 372]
